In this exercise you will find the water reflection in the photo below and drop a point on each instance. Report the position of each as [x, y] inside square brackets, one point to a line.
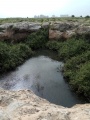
[43, 76]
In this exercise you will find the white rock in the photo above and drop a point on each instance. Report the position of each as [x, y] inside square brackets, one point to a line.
[25, 105]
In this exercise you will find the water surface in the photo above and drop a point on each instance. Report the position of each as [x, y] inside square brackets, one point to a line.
[43, 76]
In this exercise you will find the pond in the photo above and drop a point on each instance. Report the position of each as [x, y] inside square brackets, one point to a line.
[43, 76]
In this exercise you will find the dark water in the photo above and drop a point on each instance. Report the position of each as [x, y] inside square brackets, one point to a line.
[43, 76]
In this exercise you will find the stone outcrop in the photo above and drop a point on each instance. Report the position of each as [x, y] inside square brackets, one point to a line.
[19, 31]
[65, 30]
[25, 105]
[57, 30]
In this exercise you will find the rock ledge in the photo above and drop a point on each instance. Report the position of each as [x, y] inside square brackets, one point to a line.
[25, 105]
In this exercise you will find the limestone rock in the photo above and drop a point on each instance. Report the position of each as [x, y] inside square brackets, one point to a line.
[25, 105]
[65, 30]
[57, 30]
[63, 26]
[57, 35]
[83, 29]
[54, 34]
[19, 31]
[45, 25]
[28, 26]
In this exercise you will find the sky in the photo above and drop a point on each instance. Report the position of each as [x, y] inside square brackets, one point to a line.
[29, 8]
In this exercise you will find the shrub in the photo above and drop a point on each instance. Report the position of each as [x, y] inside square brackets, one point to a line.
[37, 40]
[82, 80]
[73, 64]
[54, 45]
[13, 55]
[73, 16]
[72, 47]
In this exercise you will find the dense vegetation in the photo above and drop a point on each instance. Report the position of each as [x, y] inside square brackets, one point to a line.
[37, 40]
[12, 55]
[76, 55]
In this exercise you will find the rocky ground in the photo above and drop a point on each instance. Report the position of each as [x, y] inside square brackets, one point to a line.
[25, 105]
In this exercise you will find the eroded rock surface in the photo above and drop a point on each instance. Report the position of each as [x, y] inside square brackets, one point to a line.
[65, 30]
[19, 31]
[57, 30]
[25, 105]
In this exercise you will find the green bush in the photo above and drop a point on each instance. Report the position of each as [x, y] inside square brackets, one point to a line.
[13, 55]
[72, 47]
[81, 82]
[54, 45]
[37, 40]
[74, 62]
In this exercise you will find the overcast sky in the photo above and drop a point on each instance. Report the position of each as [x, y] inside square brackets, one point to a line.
[29, 8]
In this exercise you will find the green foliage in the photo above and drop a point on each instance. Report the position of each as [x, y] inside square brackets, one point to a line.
[72, 47]
[13, 55]
[73, 64]
[81, 82]
[53, 45]
[85, 36]
[77, 66]
[76, 55]
[37, 40]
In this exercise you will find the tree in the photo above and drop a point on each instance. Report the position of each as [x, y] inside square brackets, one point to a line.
[73, 15]
[87, 16]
